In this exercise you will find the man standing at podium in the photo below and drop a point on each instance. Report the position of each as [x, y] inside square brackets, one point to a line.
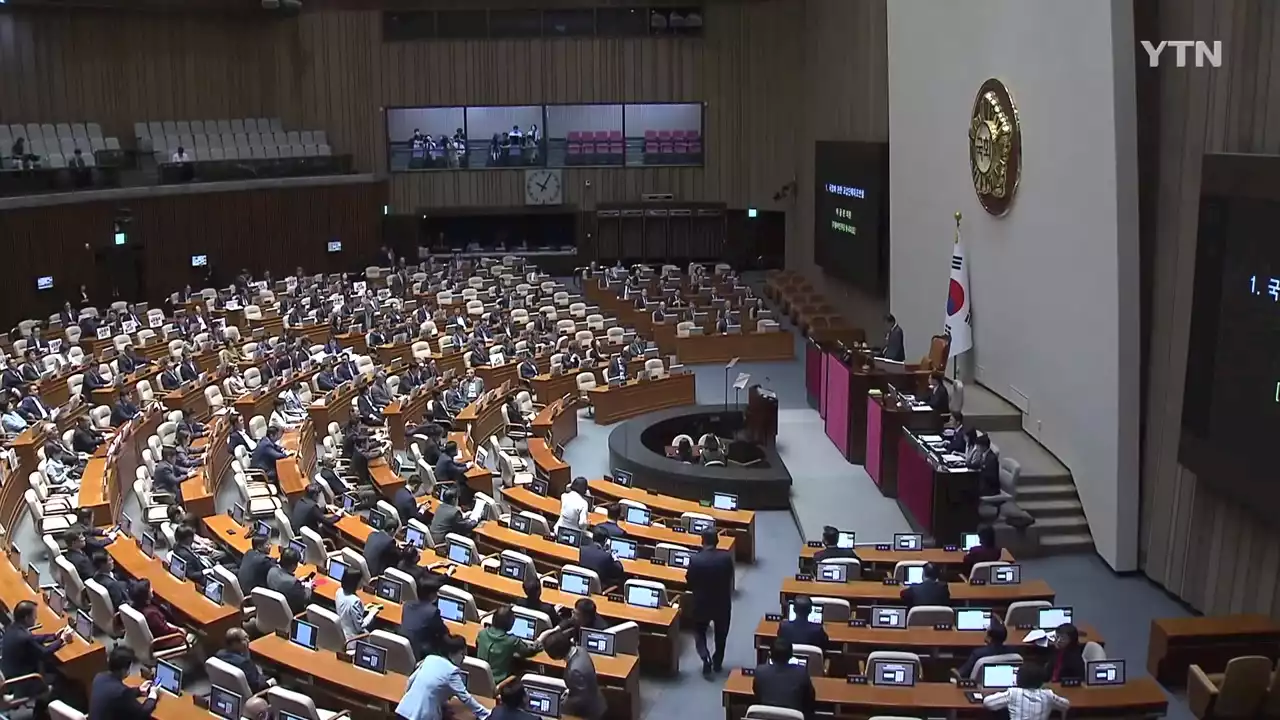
[893, 347]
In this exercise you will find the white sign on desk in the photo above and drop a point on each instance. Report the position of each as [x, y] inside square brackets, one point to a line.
[155, 321]
[361, 287]
[104, 332]
[129, 326]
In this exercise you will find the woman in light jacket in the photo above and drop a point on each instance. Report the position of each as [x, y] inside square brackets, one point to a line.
[575, 506]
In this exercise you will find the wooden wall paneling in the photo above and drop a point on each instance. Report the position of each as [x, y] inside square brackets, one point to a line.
[1213, 553]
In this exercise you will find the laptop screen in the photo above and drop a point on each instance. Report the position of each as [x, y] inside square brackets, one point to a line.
[389, 589]
[213, 591]
[1006, 574]
[169, 677]
[679, 558]
[451, 609]
[459, 553]
[569, 536]
[845, 539]
[701, 525]
[623, 549]
[815, 612]
[304, 634]
[1052, 617]
[969, 541]
[973, 619]
[642, 596]
[541, 702]
[914, 575]
[724, 501]
[908, 541]
[597, 642]
[574, 584]
[622, 477]
[638, 515]
[1104, 672]
[888, 617]
[299, 547]
[512, 568]
[893, 673]
[147, 545]
[415, 537]
[999, 676]
[84, 625]
[524, 628]
[370, 657]
[223, 703]
[377, 519]
[520, 524]
[832, 572]
[177, 566]
[337, 569]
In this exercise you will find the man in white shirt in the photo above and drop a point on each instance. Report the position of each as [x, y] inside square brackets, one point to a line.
[1029, 700]
[180, 156]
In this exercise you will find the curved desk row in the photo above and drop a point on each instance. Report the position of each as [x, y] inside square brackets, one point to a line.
[1137, 697]
[182, 596]
[106, 476]
[742, 523]
[79, 659]
[883, 561]
[637, 397]
[865, 593]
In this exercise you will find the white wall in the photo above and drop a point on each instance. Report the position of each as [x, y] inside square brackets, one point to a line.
[561, 119]
[1053, 283]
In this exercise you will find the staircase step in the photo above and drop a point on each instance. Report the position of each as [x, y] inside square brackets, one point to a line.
[1066, 543]
[1040, 509]
[1064, 490]
[1061, 524]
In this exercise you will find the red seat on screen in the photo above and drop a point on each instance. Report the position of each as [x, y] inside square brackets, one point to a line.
[677, 134]
[650, 134]
[615, 135]
[574, 136]
[667, 147]
[664, 135]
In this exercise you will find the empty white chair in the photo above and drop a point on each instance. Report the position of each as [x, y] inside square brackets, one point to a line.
[930, 615]
[1024, 612]
[771, 712]
[297, 705]
[654, 368]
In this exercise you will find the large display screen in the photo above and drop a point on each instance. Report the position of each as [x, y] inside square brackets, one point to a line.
[1231, 400]
[850, 226]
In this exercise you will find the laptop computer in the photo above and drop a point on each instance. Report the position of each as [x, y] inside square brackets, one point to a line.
[451, 609]
[224, 703]
[908, 541]
[574, 584]
[724, 501]
[389, 589]
[597, 642]
[893, 673]
[642, 596]
[888, 617]
[304, 633]
[970, 619]
[998, 676]
[638, 515]
[213, 590]
[1051, 617]
[370, 657]
[831, 572]
[1104, 672]
[168, 677]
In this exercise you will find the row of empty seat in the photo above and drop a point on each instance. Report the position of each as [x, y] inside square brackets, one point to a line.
[246, 153]
[237, 139]
[55, 144]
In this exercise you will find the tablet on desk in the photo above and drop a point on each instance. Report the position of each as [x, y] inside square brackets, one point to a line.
[525, 628]
[213, 590]
[622, 477]
[303, 633]
[893, 673]
[459, 553]
[1051, 617]
[998, 676]
[511, 568]
[642, 596]
[913, 575]
[177, 566]
[815, 613]
[370, 657]
[597, 642]
[724, 501]
[148, 545]
[299, 547]
[538, 486]
[679, 558]
[56, 601]
[542, 702]
[451, 609]
[1006, 575]
[969, 541]
[845, 539]
[908, 541]
[638, 515]
[168, 677]
[336, 570]
[888, 617]
[701, 525]
[389, 589]
[224, 703]
[519, 523]
[415, 537]
[831, 572]
[1104, 672]
[623, 549]
[970, 619]
[237, 513]
[569, 536]
[84, 626]
[574, 584]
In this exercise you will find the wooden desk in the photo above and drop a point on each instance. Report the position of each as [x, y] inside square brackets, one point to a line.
[79, 660]
[937, 500]
[561, 421]
[484, 421]
[403, 412]
[524, 499]
[1140, 696]
[747, 346]
[494, 375]
[262, 400]
[886, 422]
[295, 472]
[183, 596]
[549, 467]
[548, 387]
[742, 523]
[861, 593]
[189, 397]
[384, 478]
[334, 406]
[877, 563]
[1177, 643]
[943, 650]
[105, 478]
[639, 397]
[201, 489]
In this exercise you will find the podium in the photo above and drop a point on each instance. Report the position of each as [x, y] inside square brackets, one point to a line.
[762, 417]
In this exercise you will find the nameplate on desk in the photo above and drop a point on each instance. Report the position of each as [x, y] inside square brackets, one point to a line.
[891, 581]
[857, 623]
[856, 679]
[773, 617]
[657, 561]
[804, 577]
[489, 569]
[748, 672]
[344, 658]
[615, 597]
[651, 491]
[283, 634]
[884, 547]
[814, 544]
[1026, 626]
[678, 528]
[943, 626]
[978, 581]
[966, 683]
[951, 548]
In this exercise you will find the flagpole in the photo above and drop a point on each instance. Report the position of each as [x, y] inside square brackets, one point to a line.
[955, 363]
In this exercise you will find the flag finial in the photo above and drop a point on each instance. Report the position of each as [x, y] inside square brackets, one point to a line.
[957, 217]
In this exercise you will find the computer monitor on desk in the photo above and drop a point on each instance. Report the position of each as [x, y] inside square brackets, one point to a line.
[542, 702]
[452, 609]
[1052, 617]
[224, 703]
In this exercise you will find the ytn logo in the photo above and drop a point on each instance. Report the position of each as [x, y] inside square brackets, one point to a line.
[1203, 52]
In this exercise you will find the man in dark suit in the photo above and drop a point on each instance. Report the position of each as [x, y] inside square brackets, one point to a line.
[267, 453]
[327, 379]
[997, 634]
[420, 620]
[68, 316]
[188, 370]
[939, 399]
[800, 631]
[528, 370]
[32, 407]
[893, 343]
[75, 554]
[124, 410]
[255, 565]
[406, 501]
[987, 464]
[610, 527]
[307, 512]
[449, 518]
[448, 469]
[367, 408]
[281, 579]
[166, 477]
[169, 377]
[380, 550]
[23, 652]
[116, 589]
[347, 369]
[956, 444]
[830, 546]
[781, 684]
[617, 369]
[93, 378]
[594, 556]
[31, 368]
[236, 654]
[183, 537]
[12, 376]
[931, 591]
[84, 439]
[709, 578]
[111, 699]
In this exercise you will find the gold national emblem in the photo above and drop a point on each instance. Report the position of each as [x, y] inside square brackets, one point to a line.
[995, 147]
